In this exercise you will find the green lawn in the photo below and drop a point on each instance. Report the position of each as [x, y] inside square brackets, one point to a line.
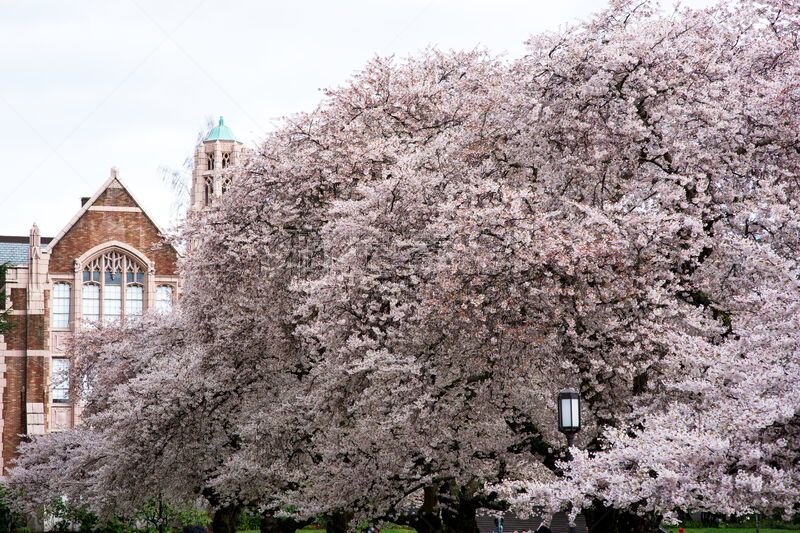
[727, 530]
[319, 530]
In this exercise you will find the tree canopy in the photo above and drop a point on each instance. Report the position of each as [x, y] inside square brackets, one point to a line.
[377, 316]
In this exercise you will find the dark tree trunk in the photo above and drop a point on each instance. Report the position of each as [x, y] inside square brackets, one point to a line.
[607, 520]
[428, 520]
[272, 524]
[225, 519]
[460, 520]
[338, 522]
[459, 509]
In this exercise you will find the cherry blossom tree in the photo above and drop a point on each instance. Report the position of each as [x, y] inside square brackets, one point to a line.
[681, 132]
[377, 316]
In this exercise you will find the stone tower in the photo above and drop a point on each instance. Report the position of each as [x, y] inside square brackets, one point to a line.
[219, 150]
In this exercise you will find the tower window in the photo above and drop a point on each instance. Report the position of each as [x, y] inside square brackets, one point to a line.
[61, 304]
[208, 190]
[210, 156]
[226, 159]
[226, 184]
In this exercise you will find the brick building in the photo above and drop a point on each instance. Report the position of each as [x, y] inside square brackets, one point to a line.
[110, 261]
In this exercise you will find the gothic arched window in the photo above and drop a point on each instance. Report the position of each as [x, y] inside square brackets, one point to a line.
[210, 156]
[226, 159]
[113, 287]
[226, 184]
[208, 190]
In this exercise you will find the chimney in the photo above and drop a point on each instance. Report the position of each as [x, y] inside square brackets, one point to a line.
[84, 199]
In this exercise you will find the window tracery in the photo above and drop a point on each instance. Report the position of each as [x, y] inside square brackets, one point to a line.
[113, 287]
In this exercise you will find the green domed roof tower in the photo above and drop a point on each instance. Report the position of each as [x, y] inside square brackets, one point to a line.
[220, 132]
[219, 150]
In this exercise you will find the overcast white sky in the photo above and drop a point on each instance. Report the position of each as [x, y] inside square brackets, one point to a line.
[87, 85]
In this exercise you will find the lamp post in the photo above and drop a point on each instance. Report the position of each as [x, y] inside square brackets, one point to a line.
[569, 419]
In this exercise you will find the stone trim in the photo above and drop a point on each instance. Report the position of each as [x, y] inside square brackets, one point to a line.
[127, 248]
[23, 353]
[35, 418]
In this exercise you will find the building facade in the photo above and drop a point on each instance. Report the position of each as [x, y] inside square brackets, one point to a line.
[110, 262]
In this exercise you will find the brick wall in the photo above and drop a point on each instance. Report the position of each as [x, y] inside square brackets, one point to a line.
[27, 377]
[115, 197]
[19, 299]
[97, 227]
[17, 337]
[13, 408]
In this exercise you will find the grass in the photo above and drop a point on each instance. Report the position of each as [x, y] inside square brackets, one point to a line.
[727, 530]
[393, 530]
[319, 530]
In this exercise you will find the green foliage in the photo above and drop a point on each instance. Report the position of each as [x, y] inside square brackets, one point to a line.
[71, 517]
[161, 516]
[156, 516]
[115, 525]
[193, 517]
[9, 520]
[248, 520]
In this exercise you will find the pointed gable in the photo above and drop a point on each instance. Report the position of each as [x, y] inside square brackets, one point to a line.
[115, 195]
[112, 214]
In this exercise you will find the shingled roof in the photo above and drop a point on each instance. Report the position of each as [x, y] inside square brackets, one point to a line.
[14, 250]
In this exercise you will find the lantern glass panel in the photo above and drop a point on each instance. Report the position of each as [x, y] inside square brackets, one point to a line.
[576, 413]
[566, 415]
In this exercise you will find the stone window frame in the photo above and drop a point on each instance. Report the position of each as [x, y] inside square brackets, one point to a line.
[67, 400]
[149, 284]
[60, 407]
[71, 299]
[225, 184]
[112, 269]
[172, 296]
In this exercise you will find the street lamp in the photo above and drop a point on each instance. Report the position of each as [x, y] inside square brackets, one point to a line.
[569, 413]
[569, 419]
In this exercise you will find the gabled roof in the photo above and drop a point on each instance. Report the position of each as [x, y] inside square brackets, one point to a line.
[221, 132]
[112, 180]
[14, 250]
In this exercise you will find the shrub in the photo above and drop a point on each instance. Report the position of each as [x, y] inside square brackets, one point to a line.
[70, 518]
[10, 520]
